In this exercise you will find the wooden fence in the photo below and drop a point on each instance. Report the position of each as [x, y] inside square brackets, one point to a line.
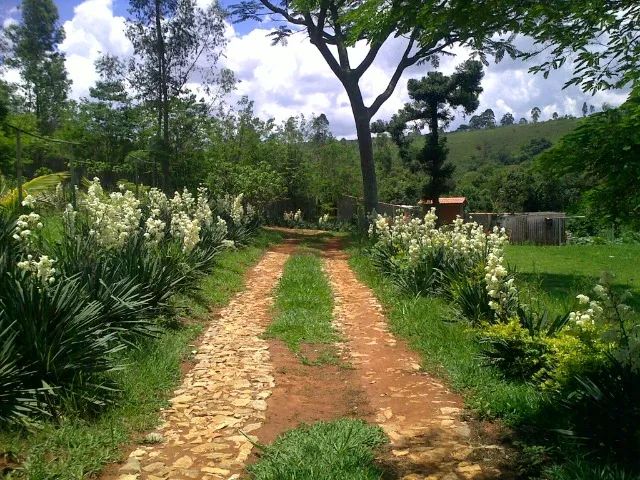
[540, 228]
[352, 209]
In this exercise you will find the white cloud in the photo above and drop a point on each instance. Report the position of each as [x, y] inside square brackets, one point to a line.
[93, 31]
[285, 81]
[288, 80]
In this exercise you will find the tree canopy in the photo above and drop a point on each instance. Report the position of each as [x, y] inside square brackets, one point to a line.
[599, 38]
[604, 151]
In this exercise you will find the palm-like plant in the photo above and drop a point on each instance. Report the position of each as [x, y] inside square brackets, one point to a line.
[16, 401]
[62, 339]
[41, 184]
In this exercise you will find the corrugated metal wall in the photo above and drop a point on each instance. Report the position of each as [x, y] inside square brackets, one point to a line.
[540, 228]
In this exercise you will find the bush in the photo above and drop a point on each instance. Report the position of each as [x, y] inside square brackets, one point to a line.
[469, 294]
[70, 302]
[604, 409]
[16, 401]
[511, 348]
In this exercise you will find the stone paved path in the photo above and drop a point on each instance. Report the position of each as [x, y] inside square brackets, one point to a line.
[420, 415]
[223, 396]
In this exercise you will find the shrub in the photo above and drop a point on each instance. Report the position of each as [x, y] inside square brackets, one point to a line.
[604, 409]
[510, 347]
[469, 294]
[63, 340]
[70, 303]
[16, 401]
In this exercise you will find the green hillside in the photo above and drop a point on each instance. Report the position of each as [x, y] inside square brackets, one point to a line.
[472, 149]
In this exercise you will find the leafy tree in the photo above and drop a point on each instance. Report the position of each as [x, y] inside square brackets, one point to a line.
[109, 121]
[555, 116]
[395, 127]
[433, 98]
[604, 152]
[522, 121]
[486, 119]
[334, 25]
[592, 109]
[535, 147]
[585, 109]
[572, 31]
[320, 132]
[535, 114]
[35, 54]
[172, 39]
[507, 119]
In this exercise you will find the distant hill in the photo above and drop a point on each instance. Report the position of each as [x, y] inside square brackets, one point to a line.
[472, 149]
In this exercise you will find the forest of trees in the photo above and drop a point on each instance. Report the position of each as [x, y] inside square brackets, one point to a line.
[143, 123]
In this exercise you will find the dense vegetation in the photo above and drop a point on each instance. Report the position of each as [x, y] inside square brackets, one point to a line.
[118, 209]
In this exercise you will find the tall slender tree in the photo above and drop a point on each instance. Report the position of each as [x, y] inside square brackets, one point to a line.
[173, 41]
[335, 25]
[44, 83]
[433, 99]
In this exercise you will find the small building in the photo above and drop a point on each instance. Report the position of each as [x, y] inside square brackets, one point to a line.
[448, 208]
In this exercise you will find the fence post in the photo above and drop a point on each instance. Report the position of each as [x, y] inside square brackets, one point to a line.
[19, 165]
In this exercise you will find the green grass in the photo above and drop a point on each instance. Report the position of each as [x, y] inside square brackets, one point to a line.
[76, 448]
[339, 450]
[304, 306]
[469, 150]
[563, 272]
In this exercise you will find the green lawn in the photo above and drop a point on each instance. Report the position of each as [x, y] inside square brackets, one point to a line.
[563, 272]
[78, 448]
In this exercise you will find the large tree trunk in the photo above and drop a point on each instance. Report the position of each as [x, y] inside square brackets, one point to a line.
[365, 146]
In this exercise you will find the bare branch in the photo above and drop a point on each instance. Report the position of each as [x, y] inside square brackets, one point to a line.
[402, 65]
[368, 59]
[343, 54]
[317, 39]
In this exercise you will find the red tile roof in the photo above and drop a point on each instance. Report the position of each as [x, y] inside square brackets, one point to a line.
[446, 200]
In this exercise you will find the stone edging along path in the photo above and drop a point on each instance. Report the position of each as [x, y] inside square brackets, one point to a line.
[223, 395]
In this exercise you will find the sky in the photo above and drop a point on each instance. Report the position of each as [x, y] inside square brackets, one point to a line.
[284, 81]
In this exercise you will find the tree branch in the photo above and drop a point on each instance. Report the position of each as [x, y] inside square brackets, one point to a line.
[343, 54]
[402, 65]
[317, 39]
[368, 59]
[405, 62]
[284, 13]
